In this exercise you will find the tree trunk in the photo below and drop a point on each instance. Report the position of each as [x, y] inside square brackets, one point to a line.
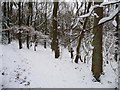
[55, 41]
[117, 36]
[45, 44]
[27, 39]
[4, 13]
[35, 41]
[4, 33]
[30, 13]
[97, 57]
[19, 13]
[10, 13]
[22, 13]
[45, 26]
[78, 56]
[19, 34]
[78, 48]
[20, 40]
[8, 21]
[29, 20]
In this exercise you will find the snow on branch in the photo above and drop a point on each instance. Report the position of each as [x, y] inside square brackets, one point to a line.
[110, 17]
[40, 35]
[96, 6]
[110, 2]
[114, 23]
[90, 11]
[41, 24]
[77, 21]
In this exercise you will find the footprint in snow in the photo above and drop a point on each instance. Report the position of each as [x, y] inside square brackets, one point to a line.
[76, 67]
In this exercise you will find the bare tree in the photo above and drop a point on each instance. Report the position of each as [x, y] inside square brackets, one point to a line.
[97, 58]
[54, 44]
[78, 56]
[19, 34]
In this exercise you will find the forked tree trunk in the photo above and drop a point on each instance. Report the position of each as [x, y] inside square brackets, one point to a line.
[78, 55]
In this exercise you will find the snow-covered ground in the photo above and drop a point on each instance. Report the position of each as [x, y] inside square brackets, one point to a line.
[39, 69]
[0, 66]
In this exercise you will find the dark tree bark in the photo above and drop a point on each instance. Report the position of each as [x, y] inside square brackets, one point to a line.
[97, 58]
[36, 7]
[20, 39]
[27, 39]
[4, 14]
[19, 34]
[45, 43]
[78, 48]
[35, 41]
[10, 17]
[22, 13]
[54, 44]
[29, 20]
[78, 56]
[4, 33]
[45, 26]
[30, 14]
[19, 14]
[71, 52]
[31, 11]
[8, 21]
[117, 36]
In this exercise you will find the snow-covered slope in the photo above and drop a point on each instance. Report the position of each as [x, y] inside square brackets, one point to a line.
[39, 69]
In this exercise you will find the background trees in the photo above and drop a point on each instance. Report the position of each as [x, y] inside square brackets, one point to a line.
[72, 25]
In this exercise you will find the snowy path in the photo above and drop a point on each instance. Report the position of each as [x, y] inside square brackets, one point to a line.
[15, 67]
[27, 68]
